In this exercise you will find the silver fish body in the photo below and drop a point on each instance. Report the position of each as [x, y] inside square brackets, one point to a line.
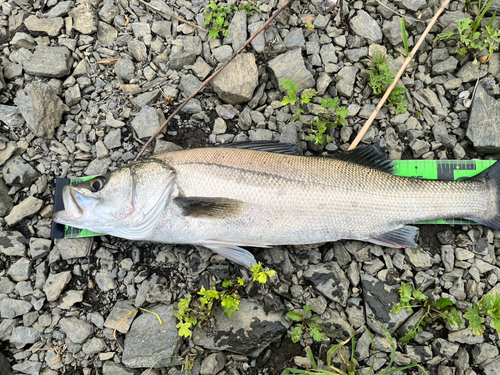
[224, 198]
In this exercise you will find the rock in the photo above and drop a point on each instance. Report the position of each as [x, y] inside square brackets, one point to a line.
[104, 281]
[162, 28]
[483, 353]
[26, 208]
[379, 300]
[186, 54]
[20, 270]
[11, 116]
[465, 336]
[5, 199]
[441, 134]
[69, 298]
[84, 19]
[147, 340]
[392, 31]
[411, 5]
[147, 122]
[145, 99]
[112, 368]
[72, 95]
[346, 78]
[448, 257]
[237, 82]
[291, 66]
[295, 39]
[125, 69]
[248, 332]
[237, 30]
[61, 9]
[445, 348]
[113, 139]
[335, 327]
[329, 280]
[470, 72]
[28, 367]
[12, 243]
[41, 108]
[106, 34]
[22, 336]
[23, 40]
[213, 364]
[19, 173]
[447, 66]
[94, 346]
[137, 49]
[189, 84]
[75, 329]
[260, 135]
[55, 284]
[419, 147]
[49, 62]
[484, 126]
[71, 248]
[98, 167]
[11, 308]
[418, 258]
[5, 368]
[44, 26]
[493, 368]
[366, 27]
[120, 310]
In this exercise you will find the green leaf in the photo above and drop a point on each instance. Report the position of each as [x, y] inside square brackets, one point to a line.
[396, 308]
[270, 273]
[285, 101]
[184, 330]
[231, 304]
[454, 318]
[262, 278]
[316, 333]
[227, 284]
[475, 320]
[307, 95]
[443, 302]
[307, 309]
[408, 337]
[297, 334]
[241, 281]
[289, 85]
[214, 34]
[295, 316]
[405, 292]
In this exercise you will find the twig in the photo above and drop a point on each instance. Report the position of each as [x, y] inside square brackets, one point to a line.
[172, 15]
[341, 14]
[368, 123]
[207, 81]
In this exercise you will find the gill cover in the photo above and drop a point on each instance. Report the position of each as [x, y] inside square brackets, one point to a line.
[126, 203]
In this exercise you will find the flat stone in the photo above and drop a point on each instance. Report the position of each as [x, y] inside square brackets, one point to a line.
[484, 125]
[112, 368]
[49, 62]
[329, 280]
[493, 368]
[6, 203]
[69, 298]
[335, 326]
[93, 346]
[12, 243]
[11, 116]
[222, 53]
[484, 353]
[186, 54]
[145, 99]
[291, 66]
[147, 341]
[44, 26]
[237, 82]
[106, 34]
[295, 39]
[419, 258]
[162, 28]
[11, 308]
[470, 72]
[76, 329]
[28, 367]
[447, 66]
[366, 27]
[213, 364]
[104, 281]
[26, 208]
[23, 40]
[137, 49]
[411, 5]
[125, 69]
[189, 84]
[98, 167]
[120, 310]
[392, 31]
[71, 248]
[19, 173]
[113, 139]
[249, 331]
[22, 336]
[346, 78]
[60, 10]
[20, 270]
[85, 19]
[147, 122]
[237, 30]
[55, 284]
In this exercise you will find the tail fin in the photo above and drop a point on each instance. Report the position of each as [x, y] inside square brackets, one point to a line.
[492, 178]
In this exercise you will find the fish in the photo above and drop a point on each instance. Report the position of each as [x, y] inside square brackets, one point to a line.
[226, 199]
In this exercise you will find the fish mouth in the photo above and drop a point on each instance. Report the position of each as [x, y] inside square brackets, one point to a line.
[75, 206]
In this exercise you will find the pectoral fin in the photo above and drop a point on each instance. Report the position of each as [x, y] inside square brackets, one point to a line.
[234, 253]
[399, 238]
[210, 208]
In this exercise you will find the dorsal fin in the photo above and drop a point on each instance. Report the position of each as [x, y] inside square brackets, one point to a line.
[368, 156]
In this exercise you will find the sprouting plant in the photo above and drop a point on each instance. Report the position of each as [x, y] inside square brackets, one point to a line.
[330, 116]
[413, 298]
[489, 305]
[351, 364]
[192, 311]
[471, 37]
[405, 36]
[310, 26]
[381, 78]
[216, 18]
[307, 325]
[417, 114]
[249, 8]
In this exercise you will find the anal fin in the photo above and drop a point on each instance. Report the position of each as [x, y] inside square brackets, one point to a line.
[399, 238]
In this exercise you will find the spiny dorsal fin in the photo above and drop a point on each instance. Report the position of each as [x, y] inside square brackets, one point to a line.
[210, 208]
[368, 156]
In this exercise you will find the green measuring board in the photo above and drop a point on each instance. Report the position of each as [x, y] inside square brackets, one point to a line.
[426, 169]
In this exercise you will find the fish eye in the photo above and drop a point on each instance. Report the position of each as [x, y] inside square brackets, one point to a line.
[97, 184]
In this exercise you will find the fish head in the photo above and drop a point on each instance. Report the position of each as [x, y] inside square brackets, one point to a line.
[126, 203]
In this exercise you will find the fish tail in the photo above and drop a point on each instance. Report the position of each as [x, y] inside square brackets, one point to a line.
[491, 177]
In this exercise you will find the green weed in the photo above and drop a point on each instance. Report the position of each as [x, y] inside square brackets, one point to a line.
[381, 78]
[405, 36]
[489, 305]
[330, 116]
[217, 17]
[351, 364]
[192, 311]
[306, 324]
